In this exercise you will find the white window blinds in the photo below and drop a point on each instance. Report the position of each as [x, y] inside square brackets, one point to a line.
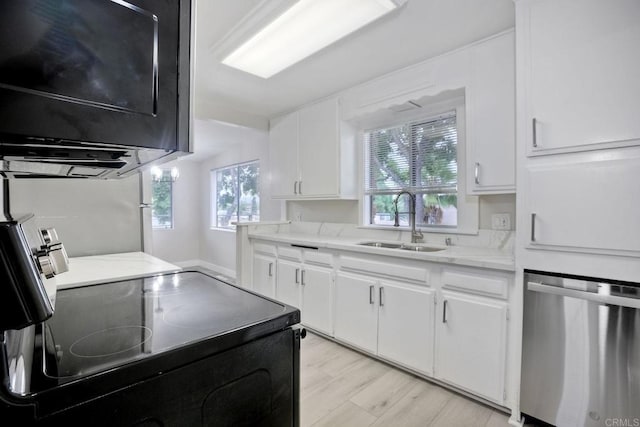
[420, 157]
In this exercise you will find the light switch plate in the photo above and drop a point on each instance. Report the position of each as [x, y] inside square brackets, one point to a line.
[501, 221]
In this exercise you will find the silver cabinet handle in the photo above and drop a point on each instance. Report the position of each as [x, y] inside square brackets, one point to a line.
[295, 187]
[589, 296]
[476, 174]
[302, 281]
[297, 276]
[534, 123]
[371, 294]
[444, 312]
[533, 226]
[299, 187]
[381, 296]
[270, 269]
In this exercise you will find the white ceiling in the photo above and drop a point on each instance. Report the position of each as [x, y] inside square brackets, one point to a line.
[420, 30]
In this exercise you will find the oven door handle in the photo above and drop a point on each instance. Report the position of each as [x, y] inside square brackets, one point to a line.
[590, 296]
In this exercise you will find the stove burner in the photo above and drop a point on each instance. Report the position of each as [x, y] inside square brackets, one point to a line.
[108, 342]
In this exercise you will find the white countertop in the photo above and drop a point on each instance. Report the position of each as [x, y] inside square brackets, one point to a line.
[460, 255]
[94, 269]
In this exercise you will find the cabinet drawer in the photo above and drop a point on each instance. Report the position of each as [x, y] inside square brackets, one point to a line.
[319, 258]
[294, 254]
[369, 266]
[493, 286]
[264, 248]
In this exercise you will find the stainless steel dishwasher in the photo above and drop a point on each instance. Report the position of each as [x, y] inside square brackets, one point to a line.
[581, 351]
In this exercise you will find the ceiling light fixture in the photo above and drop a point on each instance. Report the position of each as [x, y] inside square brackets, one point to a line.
[303, 29]
[158, 174]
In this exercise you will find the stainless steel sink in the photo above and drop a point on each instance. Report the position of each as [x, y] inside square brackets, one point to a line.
[382, 245]
[420, 248]
[403, 246]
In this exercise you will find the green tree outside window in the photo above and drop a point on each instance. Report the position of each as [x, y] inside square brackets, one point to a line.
[237, 196]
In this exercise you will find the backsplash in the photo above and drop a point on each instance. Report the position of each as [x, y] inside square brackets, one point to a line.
[347, 211]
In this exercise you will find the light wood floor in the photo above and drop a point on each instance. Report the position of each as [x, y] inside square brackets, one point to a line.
[341, 387]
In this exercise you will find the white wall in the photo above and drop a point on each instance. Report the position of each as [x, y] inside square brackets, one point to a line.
[92, 217]
[181, 243]
[218, 247]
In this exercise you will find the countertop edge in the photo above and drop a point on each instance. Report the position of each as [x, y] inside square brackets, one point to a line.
[506, 262]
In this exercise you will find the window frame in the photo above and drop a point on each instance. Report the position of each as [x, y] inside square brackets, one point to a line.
[213, 177]
[468, 206]
[166, 177]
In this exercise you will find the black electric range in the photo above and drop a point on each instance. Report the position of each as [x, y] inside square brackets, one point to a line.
[172, 349]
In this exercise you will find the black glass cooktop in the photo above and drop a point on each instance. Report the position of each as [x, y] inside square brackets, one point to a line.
[99, 327]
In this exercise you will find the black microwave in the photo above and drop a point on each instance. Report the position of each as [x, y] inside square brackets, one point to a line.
[92, 88]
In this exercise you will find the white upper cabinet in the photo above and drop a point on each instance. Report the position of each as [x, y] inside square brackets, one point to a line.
[581, 67]
[491, 117]
[312, 154]
[319, 150]
[585, 202]
[283, 155]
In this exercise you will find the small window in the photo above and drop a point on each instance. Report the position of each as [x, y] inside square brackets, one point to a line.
[236, 196]
[162, 201]
[420, 157]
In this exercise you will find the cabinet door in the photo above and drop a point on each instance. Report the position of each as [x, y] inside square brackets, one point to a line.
[283, 156]
[471, 344]
[583, 78]
[264, 269]
[585, 202]
[356, 311]
[491, 136]
[317, 296]
[319, 149]
[288, 282]
[405, 325]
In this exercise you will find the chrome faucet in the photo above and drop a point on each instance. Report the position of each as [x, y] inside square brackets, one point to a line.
[416, 235]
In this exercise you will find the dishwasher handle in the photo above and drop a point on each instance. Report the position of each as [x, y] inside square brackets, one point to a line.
[589, 296]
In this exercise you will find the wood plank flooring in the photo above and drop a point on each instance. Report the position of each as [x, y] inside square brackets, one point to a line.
[341, 387]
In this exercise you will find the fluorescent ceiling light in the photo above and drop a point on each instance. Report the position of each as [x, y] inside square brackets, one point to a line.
[305, 28]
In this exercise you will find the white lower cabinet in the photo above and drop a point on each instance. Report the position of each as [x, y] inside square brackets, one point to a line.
[264, 274]
[308, 288]
[288, 282]
[317, 297]
[390, 319]
[443, 321]
[405, 325]
[471, 344]
[356, 311]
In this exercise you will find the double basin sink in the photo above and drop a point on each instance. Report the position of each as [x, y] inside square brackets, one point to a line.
[414, 247]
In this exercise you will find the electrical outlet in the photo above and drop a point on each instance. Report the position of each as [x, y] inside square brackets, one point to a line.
[501, 221]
